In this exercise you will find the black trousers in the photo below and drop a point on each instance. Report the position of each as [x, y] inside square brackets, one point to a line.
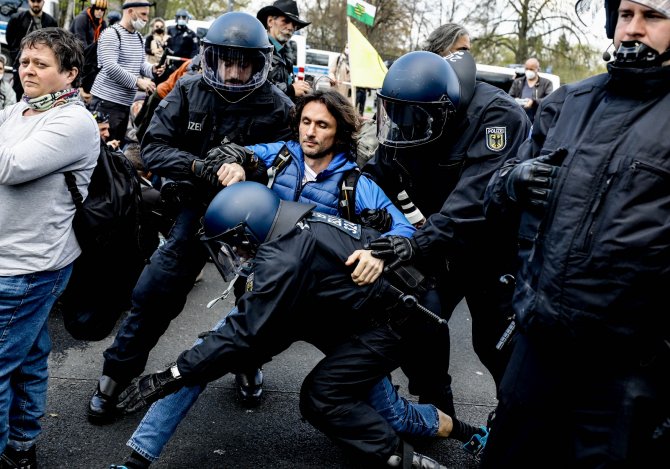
[158, 297]
[564, 405]
[333, 397]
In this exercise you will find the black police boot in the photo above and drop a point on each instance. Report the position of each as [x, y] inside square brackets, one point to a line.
[14, 459]
[102, 406]
[406, 458]
[250, 387]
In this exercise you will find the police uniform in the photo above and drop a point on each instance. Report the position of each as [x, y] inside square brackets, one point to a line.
[446, 179]
[183, 41]
[300, 289]
[190, 121]
[587, 381]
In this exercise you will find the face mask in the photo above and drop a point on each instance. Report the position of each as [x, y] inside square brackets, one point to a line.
[530, 74]
[138, 23]
[159, 30]
[181, 22]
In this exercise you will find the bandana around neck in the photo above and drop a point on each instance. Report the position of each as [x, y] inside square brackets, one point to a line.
[51, 100]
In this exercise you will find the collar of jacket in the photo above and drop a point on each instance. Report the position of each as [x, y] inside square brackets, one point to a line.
[639, 82]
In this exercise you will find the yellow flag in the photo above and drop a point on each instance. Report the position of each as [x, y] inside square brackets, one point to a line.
[367, 68]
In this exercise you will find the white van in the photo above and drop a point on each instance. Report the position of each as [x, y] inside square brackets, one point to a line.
[8, 8]
[502, 77]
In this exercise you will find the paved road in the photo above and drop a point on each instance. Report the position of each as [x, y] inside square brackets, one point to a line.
[219, 433]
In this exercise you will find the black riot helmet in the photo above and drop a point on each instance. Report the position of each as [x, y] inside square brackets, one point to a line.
[420, 93]
[242, 217]
[254, 209]
[236, 53]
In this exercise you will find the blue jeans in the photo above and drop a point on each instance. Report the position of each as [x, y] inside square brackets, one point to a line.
[161, 420]
[25, 303]
[405, 417]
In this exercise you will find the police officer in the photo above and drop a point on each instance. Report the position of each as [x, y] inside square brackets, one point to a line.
[589, 371]
[230, 99]
[182, 40]
[441, 138]
[294, 250]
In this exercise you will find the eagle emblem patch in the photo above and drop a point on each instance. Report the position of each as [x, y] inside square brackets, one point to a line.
[496, 138]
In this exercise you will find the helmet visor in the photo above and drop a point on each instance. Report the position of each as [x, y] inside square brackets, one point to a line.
[234, 69]
[406, 123]
[231, 259]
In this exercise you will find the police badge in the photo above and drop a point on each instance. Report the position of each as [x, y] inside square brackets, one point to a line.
[496, 138]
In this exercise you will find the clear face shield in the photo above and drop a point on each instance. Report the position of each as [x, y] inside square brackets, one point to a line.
[235, 69]
[232, 253]
[407, 124]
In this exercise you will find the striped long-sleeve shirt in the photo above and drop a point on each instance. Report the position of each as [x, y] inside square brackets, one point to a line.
[122, 63]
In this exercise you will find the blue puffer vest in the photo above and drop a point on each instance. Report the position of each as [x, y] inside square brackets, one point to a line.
[324, 192]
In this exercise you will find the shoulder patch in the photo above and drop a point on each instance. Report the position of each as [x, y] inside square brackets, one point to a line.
[352, 229]
[496, 138]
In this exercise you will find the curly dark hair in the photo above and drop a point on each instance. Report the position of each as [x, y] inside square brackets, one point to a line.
[348, 123]
[69, 50]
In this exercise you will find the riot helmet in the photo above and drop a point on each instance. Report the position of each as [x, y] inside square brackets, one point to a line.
[242, 217]
[420, 93]
[236, 53]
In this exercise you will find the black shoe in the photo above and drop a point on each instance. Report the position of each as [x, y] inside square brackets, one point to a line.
[406, 453]
[250, 387]
[14, 459]
[134, 461]
[102, 406]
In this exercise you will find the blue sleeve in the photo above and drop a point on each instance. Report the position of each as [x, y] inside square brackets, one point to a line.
[370, 195]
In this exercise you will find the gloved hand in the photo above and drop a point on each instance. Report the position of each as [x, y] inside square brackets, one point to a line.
[227, 152]
[530, 183]
[148, 389]
[393, 249]
[377, 219]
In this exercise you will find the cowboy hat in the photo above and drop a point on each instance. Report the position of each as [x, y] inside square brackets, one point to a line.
[287, 8]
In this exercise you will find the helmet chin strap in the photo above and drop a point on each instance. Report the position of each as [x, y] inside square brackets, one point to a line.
[634, 54]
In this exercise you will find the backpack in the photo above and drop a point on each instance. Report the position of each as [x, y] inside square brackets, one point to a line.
[108, 229]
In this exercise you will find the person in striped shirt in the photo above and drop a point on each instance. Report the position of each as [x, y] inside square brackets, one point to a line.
[124, 68]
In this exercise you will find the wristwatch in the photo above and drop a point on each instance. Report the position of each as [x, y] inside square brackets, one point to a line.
[175, 371]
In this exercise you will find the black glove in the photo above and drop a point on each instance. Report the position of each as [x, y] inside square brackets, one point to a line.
[396, 249]
[218, 156]
[530, 183]
[377, 219]
[229, 152]
[148, 389]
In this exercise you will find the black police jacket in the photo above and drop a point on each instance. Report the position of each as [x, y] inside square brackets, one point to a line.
[183, 41]
[597, 265]
[447, 178]
[281, 73]
[193, 118]
[300, 290]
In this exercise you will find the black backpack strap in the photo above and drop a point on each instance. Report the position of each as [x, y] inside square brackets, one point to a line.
[347, 202]
[71, 182]
[279, 163]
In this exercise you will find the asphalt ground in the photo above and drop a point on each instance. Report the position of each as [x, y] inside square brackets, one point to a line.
[219, 432]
